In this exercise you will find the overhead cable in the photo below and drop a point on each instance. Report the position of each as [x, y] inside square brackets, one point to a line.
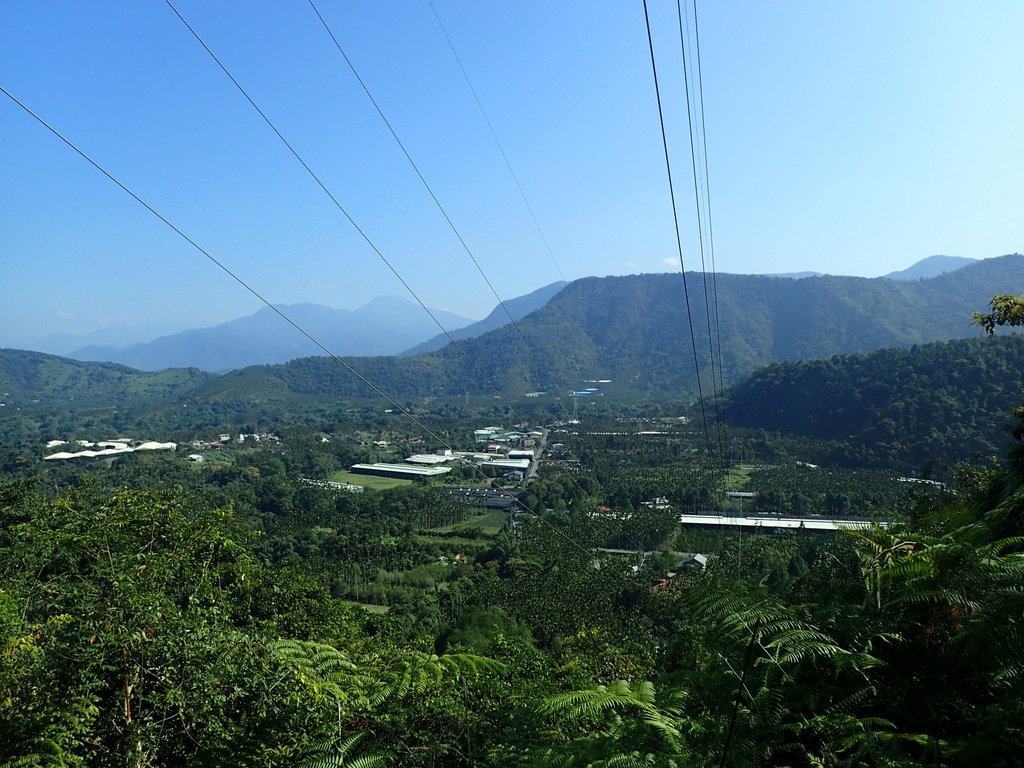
[248, 287]
[497, 141]
[419, 173]
[227, 270]
[341, 208]
[262, 114]
[716, 384]
[707, 195]
[679, 241]
[430, 191]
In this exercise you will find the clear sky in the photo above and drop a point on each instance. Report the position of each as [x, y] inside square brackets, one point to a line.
[842, 137]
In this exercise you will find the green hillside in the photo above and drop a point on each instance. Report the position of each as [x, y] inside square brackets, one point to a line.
[634, 330]
[941, 400]
[35, 378]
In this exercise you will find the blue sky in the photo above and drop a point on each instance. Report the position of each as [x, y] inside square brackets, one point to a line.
[843, 137]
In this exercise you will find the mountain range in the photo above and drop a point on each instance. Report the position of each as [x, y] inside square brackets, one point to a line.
[116, 335]
[634, 330]
[385, 326]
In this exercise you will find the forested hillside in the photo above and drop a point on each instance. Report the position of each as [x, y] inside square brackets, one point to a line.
[516, 308]
[946, 400]
[635, 331]
[34, 377]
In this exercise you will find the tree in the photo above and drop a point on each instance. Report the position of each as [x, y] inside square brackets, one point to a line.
[622, 724]
[1007, 309]
[137, 637]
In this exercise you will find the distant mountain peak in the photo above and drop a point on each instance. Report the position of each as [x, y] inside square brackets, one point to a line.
[516, 308]
[796, 275]
[932, 266]
[384, 326]
[388, 300]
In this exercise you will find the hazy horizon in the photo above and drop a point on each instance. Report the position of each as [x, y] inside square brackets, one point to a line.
[843, 138]
[120, 334]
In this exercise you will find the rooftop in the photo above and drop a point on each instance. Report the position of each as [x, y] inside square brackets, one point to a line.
[401, 469]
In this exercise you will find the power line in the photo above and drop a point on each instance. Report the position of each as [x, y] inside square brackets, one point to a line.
[360, 230]
[419, 174]
[340, 207]
[694, 151]
[700, 148]
[679, 242]
[233, 275]
[379, 392]
[707, 195]
[497, 141]
[430, 191]
[242, 282]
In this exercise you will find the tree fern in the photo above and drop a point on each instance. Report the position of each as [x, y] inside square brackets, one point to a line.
[339, 753]
[323, 668]
[414, 673]
[622, 724]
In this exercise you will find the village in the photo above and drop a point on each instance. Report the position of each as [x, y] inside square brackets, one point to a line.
[506, 454]
[497, 453]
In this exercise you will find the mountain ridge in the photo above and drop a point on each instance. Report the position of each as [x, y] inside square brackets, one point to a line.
[385, 325]
[932, 266]
[517, 308]
[29, 377]
[634, 330]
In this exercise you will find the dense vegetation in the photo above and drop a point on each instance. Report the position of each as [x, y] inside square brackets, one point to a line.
[149, 626]
[238, 611]
[28, 378]
[937, 401]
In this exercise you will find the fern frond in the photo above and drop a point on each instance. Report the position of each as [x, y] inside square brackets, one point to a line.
[336, 753]
[25, 761]
[620, 701]
[943, 597]
[323, 668]
[416, 673]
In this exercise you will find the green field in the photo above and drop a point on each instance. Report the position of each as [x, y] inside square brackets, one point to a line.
[489, 523]
[737, 477]
[380, 610]
[453, 543]
[368, 481]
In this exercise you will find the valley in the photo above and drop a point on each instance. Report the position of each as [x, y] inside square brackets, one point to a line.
[740, 487]
[443, 562]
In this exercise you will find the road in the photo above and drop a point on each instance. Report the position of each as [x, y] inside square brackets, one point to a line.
[532, 471]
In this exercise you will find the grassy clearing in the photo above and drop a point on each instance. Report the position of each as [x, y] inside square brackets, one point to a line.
[372, 607]
[454, 543]
[489, 523]
[738, 477]
[368, 481]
